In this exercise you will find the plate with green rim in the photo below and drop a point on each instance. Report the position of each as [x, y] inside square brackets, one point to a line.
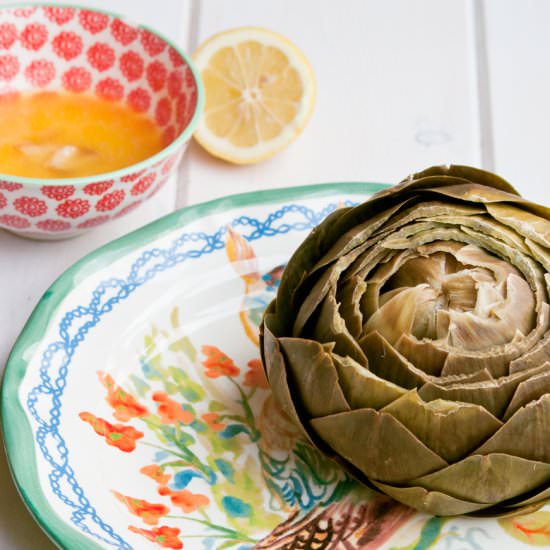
[136, 413]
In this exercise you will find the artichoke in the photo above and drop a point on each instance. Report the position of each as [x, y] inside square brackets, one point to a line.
[409, 340]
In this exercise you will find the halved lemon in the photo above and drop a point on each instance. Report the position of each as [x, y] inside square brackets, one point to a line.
[260, 92]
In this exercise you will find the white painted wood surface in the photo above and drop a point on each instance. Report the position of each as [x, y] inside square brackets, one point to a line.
[401, 85]
[518, 45]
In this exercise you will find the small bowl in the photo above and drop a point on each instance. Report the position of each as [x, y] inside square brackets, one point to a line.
[65, 48]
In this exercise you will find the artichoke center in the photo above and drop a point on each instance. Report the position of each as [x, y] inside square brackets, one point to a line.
[462, 298]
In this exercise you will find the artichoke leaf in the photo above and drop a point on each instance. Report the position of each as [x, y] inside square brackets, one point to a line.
[385, 361]
[429, 249]
[529, 390]
[277, 376]
[473, 255]
[526, 224]
[328, 326]
[427, 234]
[466, 378]
[349, 295]
[422, 352]
[464, 363]
[315, 377]
[449, 429]
[508, 359]
[430, 502]
[474, 193]
[488, 295]
[538, 344]
[377, 444]
[531, 270]
[466, 173]
[463, 288]
[470, 332]
[427, 211]
[494, 395]
[525, 434]
[396, 316]
[301, 263]
[426, 318]
[269, 318]
[490, 478]
[454, 186]
[387, 267]
[421, 269]
[370, 301]
[356, 234]
[362, 388]
[540, 254]
[402, 239]
[519, 306]
[325, 282]
[511, 350]
[483, 224]
[368, 261]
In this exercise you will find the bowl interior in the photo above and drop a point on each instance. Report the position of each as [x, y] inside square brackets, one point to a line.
[52, 48]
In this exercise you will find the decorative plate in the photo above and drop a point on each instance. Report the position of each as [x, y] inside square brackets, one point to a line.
[137, 415]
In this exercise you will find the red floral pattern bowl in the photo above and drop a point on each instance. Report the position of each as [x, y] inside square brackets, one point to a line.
[50, 47]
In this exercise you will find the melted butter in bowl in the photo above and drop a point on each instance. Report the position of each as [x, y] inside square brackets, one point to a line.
[62, 135]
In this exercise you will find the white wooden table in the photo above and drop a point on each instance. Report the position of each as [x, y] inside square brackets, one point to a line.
[401, 85]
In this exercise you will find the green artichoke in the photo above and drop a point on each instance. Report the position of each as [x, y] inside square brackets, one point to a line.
[410, 341]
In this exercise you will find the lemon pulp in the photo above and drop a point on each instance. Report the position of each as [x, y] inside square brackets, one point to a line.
[260, 92]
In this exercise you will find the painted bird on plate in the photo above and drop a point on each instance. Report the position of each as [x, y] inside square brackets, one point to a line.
[260, 288]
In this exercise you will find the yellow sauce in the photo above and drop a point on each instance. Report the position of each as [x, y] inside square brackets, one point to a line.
[60, 135]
